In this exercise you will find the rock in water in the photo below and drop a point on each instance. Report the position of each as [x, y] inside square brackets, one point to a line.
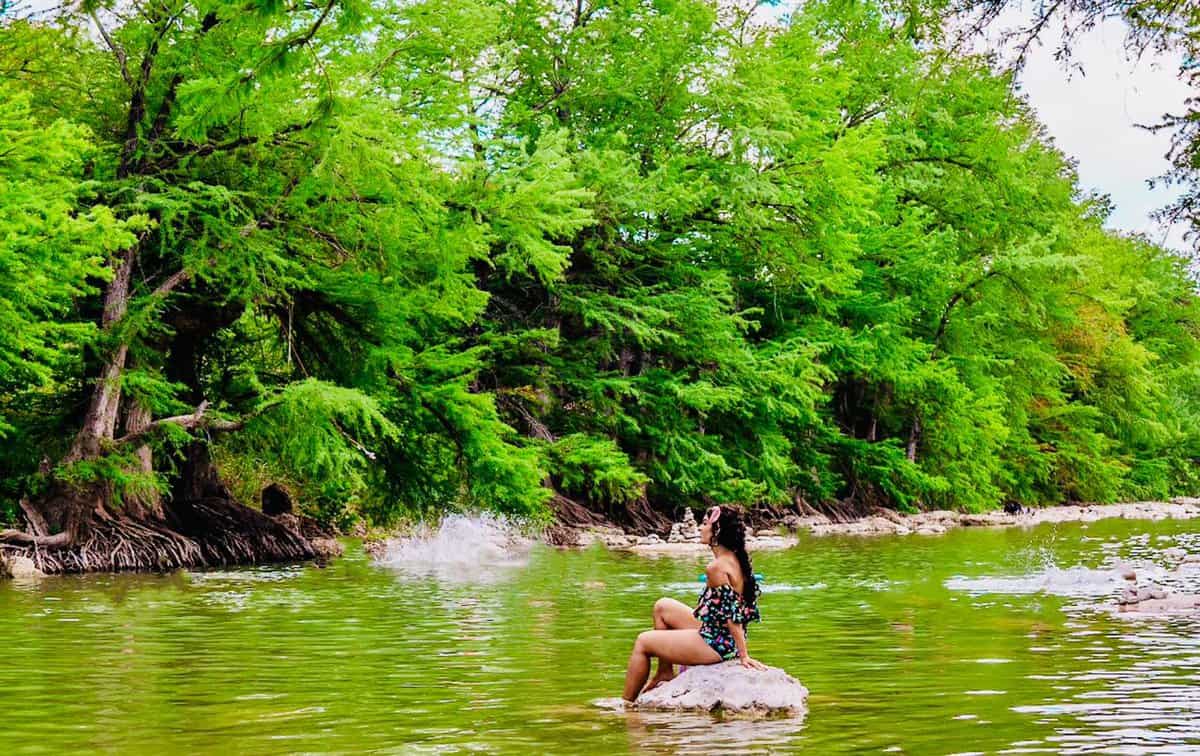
[19, 567]
[1167, 604]
[728, 687]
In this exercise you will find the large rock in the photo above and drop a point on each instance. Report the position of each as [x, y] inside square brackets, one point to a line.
[1134, 595]
[323, 542]
[728, 687]
[610, 537]
[19, 567]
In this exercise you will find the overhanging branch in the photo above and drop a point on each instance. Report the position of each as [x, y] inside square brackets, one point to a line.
[192, 421]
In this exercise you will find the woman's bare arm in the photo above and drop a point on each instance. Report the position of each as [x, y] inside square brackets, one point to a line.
[743, 652]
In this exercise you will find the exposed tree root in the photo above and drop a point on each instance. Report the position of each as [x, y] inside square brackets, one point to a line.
[641, 518]
[637, 517]
[767, 515]
[196, 533]
[571, 513]
[19, 537]
[841, 511]
[229, 533]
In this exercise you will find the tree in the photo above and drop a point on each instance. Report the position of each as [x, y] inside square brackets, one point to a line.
[597, 260]
[280, 205]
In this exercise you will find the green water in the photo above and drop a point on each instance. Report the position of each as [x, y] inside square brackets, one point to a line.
[977, 641]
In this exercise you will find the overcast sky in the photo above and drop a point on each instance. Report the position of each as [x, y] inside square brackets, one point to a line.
[1093, 117]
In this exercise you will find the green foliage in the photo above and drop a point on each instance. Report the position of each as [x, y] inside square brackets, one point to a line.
[596, 469]
[460, 253]
[118, 473]
[51, 252]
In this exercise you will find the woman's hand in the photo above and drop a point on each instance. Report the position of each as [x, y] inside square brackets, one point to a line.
[749, 663]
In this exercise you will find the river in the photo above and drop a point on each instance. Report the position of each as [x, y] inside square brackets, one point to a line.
[979, 641]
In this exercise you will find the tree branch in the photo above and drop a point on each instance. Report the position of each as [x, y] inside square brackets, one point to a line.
[173, 281]
[208, 148]
[168, 101]
[197, 419]
[312, 32]
[116, 49]
[958, 295]
[37, 523]
[955, 161]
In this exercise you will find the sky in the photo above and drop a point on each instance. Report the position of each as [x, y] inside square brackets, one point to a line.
[1093, 117]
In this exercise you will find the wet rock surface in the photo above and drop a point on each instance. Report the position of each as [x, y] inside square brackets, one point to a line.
[727, 687]
[1164, 604]
[1147, 598]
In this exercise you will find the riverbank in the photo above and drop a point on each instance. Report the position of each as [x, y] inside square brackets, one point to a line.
[684, 537]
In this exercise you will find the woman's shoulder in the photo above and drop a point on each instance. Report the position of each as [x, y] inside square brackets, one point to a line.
[723, 571]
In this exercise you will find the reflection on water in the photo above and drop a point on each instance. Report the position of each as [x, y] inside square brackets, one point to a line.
[1074, 581]
[684, 732]
[661, 732]
[468, 639]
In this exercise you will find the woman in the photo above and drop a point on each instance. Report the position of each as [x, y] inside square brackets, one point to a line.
[716, 629]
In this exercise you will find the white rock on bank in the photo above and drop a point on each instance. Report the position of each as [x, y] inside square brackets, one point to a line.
[869, 526]
[728, 687]
[610, 537]
[17, 566]
[684, 541]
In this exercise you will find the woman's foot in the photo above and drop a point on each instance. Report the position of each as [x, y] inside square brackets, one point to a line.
[657, 680]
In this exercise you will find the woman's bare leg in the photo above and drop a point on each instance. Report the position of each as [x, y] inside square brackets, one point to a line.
[670, 614]
[671, 647]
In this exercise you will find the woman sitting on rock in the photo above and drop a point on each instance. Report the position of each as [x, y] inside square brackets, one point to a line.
[715, 630]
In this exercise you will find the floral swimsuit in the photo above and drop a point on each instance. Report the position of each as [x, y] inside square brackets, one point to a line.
[716, 607]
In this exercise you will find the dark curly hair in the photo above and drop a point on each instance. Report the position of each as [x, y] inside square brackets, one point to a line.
[728, 531]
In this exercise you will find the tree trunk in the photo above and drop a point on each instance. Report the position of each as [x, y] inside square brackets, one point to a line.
[913, 435]
[100, 421]
[149, 503]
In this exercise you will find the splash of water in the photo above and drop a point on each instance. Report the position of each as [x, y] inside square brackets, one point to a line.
[463, 543]
[1071, 582]
[1075, 582]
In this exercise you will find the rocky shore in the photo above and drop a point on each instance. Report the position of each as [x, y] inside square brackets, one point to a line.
[1144, 597]
[684, 537]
